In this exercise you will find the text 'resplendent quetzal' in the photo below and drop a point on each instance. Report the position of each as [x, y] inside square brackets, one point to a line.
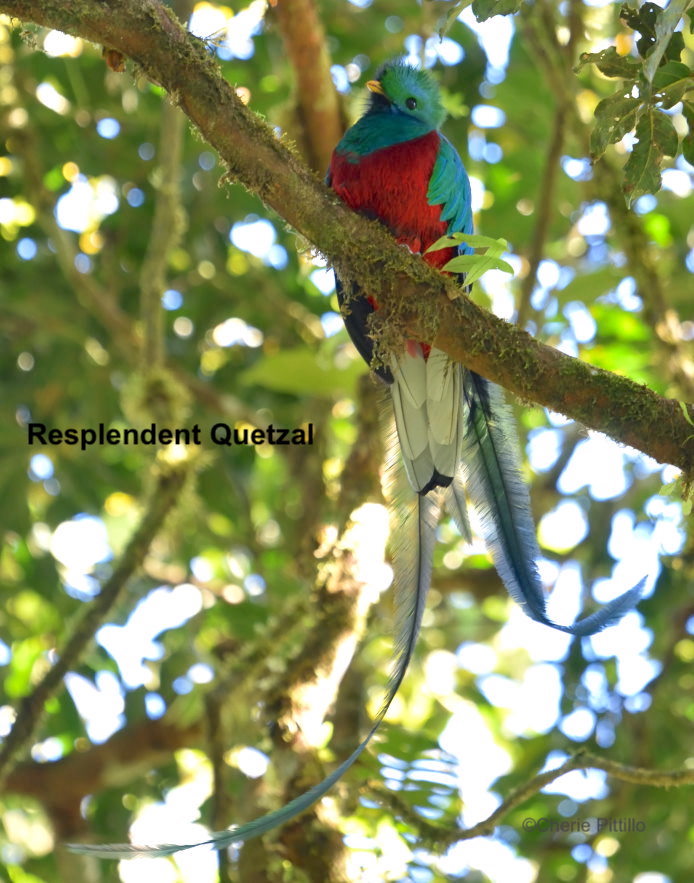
[455, 433]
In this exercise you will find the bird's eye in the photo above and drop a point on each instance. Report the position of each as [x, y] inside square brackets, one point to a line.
[411, 103]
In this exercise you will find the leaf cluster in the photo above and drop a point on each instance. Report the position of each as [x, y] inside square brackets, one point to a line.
[644, 101]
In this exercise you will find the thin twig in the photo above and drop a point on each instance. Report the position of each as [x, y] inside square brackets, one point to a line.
[441, 838]
[545, 208]
[167, 226]
[217, 744]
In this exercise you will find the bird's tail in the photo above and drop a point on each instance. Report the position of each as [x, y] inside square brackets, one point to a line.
[491, 477]
[412, 556]
[428, 403]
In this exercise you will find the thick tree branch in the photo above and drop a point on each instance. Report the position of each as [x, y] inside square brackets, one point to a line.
[128, 755]
[146, 32]
[317, 100]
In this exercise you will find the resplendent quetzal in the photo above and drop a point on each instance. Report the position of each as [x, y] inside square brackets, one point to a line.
[455, 433]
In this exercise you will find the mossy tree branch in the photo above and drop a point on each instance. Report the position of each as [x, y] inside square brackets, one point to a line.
[148, 33]
[167, 227]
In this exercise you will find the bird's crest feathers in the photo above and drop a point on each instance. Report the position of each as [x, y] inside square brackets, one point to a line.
[407, 90]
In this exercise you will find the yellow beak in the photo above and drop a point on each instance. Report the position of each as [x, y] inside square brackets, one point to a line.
[375, 86]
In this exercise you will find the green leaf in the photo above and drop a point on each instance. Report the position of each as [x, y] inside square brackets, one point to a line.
[446, 21]
[685, 411]
[614, 116]
[642, 20]
[656, 137]
[688, 140]
[669, 73]
[303, 372]
[667, 42]
[474, 240]
[454, 104]
[474, 265]
[586, 287]
[611, 64]
[450, 240]
[688, 148]
[672, 81]
[664, 133]
[485, 9]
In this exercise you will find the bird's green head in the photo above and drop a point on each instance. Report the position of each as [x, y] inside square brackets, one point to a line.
[401, 88]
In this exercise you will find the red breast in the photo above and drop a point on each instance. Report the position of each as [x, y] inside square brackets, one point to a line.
[391, 184]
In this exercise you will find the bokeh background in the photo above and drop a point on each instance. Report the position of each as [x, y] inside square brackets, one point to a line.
[246, 643]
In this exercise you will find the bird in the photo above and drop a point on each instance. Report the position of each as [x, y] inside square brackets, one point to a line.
[454, 430]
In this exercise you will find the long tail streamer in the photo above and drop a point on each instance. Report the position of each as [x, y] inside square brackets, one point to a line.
[491, 476]
[412, 556]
